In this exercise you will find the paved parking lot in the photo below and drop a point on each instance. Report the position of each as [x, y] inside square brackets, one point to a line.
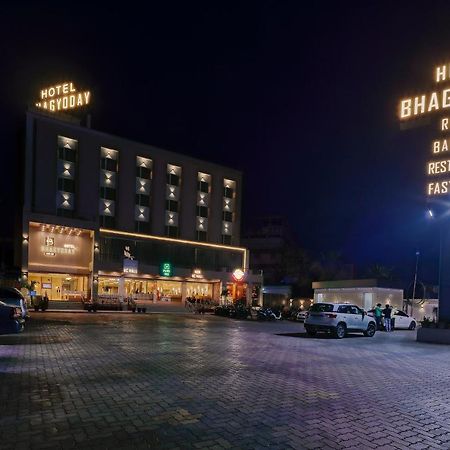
[179, 381]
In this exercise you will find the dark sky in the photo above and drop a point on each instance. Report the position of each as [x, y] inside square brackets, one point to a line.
[301, 98]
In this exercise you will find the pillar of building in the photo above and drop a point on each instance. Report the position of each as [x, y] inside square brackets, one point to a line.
[183, 292]
[94, 287]
[248, 294]
[444, 273]
[94, 275]
[121, 290]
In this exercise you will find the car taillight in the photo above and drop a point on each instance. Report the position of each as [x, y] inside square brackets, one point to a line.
[331, 316]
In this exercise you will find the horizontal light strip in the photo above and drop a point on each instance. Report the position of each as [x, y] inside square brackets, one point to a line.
[60, 266]
[145, 277]
[176, 241]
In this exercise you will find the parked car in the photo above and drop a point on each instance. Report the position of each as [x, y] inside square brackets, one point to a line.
[339, 319]
[302, 315]
[13, 297]
[401, 320]
[11, 320]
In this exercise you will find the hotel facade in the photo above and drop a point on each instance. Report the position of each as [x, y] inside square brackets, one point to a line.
[106, 217]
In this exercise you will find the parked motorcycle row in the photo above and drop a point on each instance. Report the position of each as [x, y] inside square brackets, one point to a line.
[241, 311]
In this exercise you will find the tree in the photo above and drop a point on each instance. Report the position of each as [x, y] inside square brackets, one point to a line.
[380, 272]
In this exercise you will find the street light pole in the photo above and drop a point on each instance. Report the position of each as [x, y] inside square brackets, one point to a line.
[415, 282]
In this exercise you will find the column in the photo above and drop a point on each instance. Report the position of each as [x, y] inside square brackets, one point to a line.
[444, 273]
[183, 292]
[121, 292]
[248, 294]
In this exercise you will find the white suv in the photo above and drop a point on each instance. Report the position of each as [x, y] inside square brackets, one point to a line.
[338, 319]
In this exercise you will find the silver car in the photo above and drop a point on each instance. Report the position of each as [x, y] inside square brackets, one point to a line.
[338, 319]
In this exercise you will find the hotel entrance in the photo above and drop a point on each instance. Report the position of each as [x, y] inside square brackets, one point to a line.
[60, 261]
[58, 286]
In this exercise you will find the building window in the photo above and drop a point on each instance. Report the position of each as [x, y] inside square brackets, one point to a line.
[172, 205]
[171, 231]
[226, 239]
[107, 193]
[203, 186]
[108, 164]
[202, 211]
[142, 227]
[142, 200]
[107, 222]
[67, 185]
[109, 159]
[228, 192]
[67, 154]
[173, 179]
[202, 236]
[227, 216]
[143, 171]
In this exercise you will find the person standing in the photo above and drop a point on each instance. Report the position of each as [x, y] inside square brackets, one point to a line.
[387, 318]
[378, 314]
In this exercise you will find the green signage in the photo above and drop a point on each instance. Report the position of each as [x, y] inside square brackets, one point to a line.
[166, 269]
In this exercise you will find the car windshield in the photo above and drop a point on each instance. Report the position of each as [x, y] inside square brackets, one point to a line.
[10, 293]
[12, 301]
[321, 307]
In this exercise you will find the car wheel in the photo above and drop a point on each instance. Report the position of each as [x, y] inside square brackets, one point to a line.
[370, 330]
[340, 331]
[412, 326]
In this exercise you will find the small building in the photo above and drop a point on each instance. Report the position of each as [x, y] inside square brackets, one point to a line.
[276, 296]
[365, 293]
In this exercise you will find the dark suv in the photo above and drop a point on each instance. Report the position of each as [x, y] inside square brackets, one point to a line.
[11, 320]
[13, 297]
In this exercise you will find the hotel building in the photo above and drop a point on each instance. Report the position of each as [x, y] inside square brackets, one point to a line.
[106, 216]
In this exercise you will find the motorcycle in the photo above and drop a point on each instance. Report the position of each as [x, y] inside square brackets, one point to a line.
[268, 314]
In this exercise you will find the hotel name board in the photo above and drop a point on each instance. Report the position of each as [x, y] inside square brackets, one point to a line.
[438, 168]
[62, 97]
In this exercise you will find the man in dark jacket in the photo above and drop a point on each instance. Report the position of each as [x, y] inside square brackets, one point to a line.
[387, 318]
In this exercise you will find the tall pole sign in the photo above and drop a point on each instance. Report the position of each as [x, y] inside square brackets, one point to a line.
[436, 102]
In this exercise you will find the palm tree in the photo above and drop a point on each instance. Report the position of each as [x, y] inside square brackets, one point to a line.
[380, 272]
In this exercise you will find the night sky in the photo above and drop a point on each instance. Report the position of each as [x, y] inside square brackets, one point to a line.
[302, 99]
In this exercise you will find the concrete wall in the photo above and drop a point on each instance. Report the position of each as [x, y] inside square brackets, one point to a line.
[366, 298]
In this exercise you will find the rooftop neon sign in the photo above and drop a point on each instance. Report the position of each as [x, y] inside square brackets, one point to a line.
[62, 97]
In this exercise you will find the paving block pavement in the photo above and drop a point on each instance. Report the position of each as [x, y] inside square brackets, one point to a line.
[168, 381]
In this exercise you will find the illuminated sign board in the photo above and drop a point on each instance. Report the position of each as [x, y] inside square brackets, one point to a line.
[166, 269]
[49, 248]
[130, 266]
[62, 97]
[238, 274]
[197, 273]
[438, 100]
